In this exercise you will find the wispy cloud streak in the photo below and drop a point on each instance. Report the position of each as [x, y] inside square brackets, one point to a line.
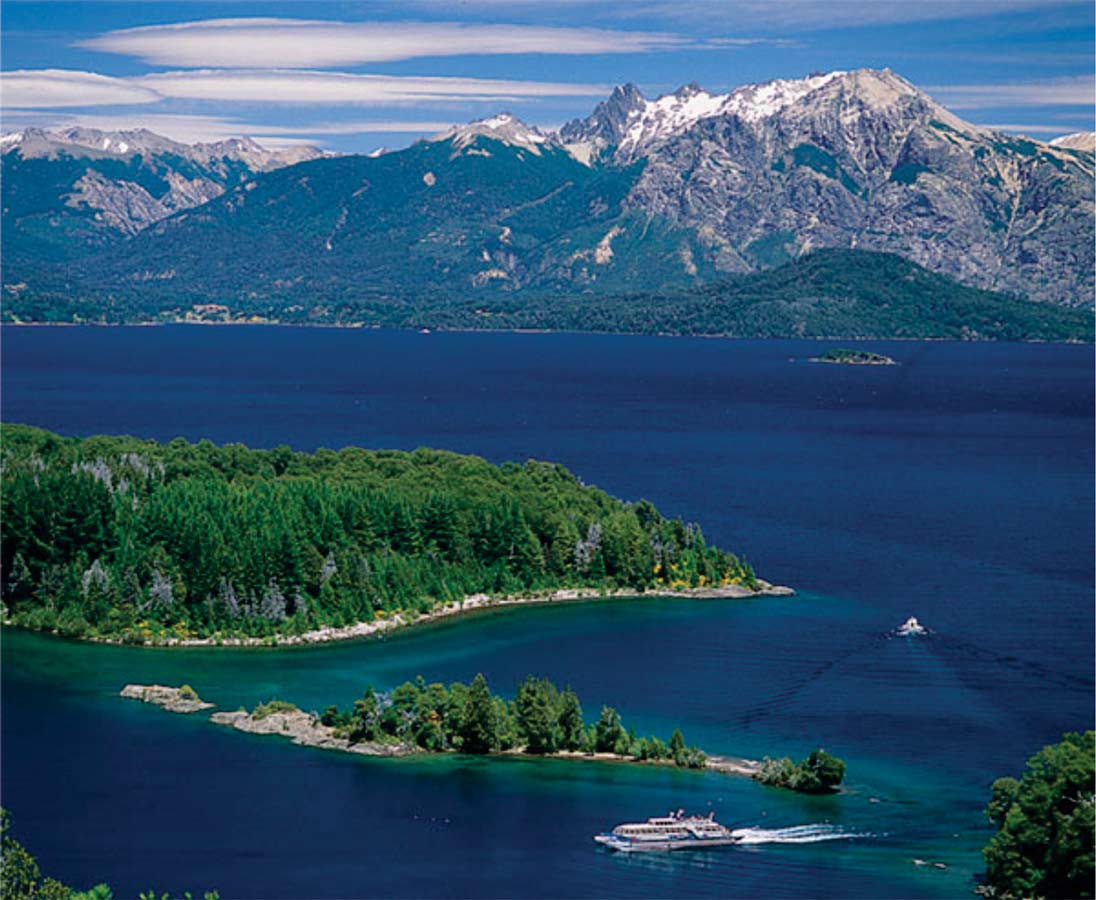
[51, 88]
[1077, 90]
[301, 43]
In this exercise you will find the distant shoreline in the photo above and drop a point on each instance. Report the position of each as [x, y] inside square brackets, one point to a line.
[454, 609]
[446, 330]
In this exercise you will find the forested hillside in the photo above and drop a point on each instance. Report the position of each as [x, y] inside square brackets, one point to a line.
[128, 538]
[828, 293]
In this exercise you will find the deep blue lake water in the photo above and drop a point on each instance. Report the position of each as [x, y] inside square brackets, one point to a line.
[957, 487]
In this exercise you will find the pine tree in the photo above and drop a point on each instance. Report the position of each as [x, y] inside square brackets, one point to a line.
[479, 730]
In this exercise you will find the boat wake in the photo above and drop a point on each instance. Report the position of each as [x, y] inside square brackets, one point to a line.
[798, 834]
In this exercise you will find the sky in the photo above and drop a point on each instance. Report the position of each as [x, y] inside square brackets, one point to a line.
[355, 77]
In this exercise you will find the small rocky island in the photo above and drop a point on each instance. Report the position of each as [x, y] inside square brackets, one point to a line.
[854, 358]
[182, 699]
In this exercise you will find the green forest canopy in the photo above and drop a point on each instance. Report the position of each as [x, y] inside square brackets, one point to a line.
[469, 718]
[134, 539]
[1045, 823]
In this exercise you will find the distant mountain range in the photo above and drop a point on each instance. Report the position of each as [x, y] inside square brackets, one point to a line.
[677, 194]
[65, 191]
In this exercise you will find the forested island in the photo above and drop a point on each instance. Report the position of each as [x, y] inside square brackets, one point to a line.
[854, 358]
[125, 539]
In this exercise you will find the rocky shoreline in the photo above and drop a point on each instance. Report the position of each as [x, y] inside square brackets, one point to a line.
[306, 730]
[471, 603]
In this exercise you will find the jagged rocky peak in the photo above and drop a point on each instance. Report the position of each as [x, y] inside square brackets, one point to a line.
[1079, 140]
[629, 125]
[505, 127]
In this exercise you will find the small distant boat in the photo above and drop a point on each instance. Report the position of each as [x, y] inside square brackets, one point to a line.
[911, 627]
[676, 831]
[424, 331]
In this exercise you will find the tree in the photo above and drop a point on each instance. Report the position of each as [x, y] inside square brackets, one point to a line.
[571, 730]
[367, 717]
[677, 747]
[535, 709]
[610, 733]
[479, 730]
[829, 770]
[1044, 842]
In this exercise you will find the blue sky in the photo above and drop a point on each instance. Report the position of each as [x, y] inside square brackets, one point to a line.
[356, 76]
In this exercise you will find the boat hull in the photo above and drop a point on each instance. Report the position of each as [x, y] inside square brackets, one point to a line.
[624, 845]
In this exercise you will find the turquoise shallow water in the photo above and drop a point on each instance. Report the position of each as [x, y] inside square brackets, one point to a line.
[888, 815]
[956, 487]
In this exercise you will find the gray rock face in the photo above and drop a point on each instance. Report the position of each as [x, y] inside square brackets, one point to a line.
[123, 181]
[857, 159]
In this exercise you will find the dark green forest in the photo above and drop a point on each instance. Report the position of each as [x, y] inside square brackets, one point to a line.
[468, 718]
[131, 539]
[826, 294]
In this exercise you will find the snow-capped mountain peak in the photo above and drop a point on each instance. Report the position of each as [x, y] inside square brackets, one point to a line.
[754, 102]
[669, 114]
[504, 127]
[633, 125]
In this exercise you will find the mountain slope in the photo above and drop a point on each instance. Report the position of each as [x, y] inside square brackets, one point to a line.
[828, 293]
[471, 211]
[68, 192]
[858, 159]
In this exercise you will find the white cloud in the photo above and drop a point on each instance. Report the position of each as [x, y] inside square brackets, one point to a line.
[777, 15]
[1077, 90]
[51, 88]
[295, 86]
[300, 43]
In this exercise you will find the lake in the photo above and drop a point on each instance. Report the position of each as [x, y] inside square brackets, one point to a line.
[956, 487]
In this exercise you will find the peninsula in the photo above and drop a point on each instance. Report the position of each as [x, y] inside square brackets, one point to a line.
[416, 718]
[123, 540]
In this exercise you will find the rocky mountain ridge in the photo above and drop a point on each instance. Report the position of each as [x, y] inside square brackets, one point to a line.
[668, 193]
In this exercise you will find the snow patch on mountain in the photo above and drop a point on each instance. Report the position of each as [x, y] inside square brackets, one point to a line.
[504, 127]
[1079, 140]
[634, 124]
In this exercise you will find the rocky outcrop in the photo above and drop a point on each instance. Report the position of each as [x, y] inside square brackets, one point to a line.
[179, 700]
[302, 728]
